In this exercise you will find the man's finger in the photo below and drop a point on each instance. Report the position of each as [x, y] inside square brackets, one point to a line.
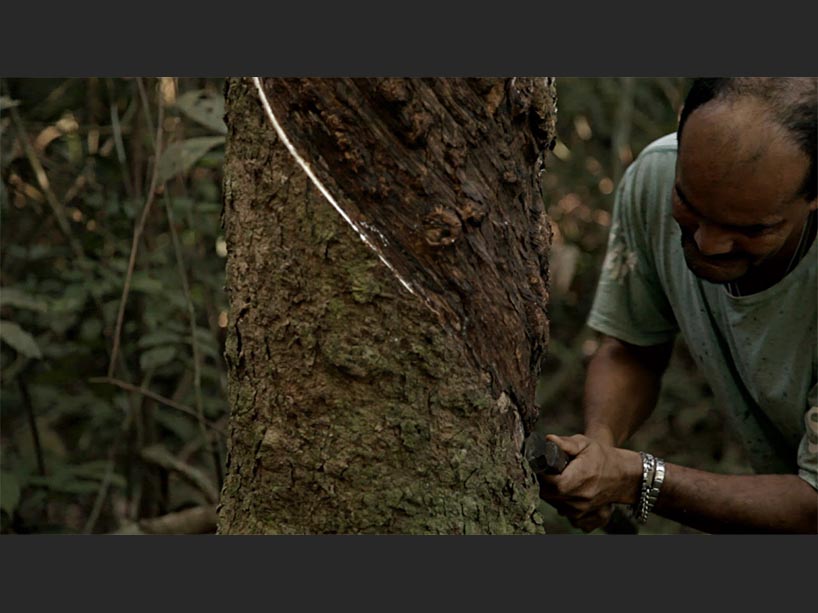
[572, 445]
[591, 520]
[589, 524]
[550, 491]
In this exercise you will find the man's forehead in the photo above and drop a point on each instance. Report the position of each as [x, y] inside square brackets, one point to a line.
[727, 210]
[732, 157]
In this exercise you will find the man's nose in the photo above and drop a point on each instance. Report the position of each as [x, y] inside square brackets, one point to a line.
[711, 241]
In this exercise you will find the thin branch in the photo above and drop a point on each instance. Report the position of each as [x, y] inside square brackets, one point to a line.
[118, 142]
[160, 456]
[15, 368]
[197, 368]
[197, 520]
[102, 492]
[143, 96]
[197, 376]
[154, 396]
[140, 227]
[32, 422]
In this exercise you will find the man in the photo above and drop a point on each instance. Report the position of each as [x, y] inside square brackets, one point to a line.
[713, 236]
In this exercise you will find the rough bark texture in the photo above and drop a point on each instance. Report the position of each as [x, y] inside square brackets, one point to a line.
[358, 406]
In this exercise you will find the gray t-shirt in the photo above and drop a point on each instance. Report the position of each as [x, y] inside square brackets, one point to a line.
[758, 352]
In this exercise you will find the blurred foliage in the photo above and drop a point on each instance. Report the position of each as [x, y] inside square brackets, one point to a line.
[86, 447]
[77, 159]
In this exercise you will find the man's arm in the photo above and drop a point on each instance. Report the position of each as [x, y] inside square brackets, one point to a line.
[599, 475]
[621, 388]
[738, 503]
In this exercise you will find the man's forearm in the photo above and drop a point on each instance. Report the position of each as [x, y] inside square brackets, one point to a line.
[621, 388]
[716, 503]
[599, 475]
[738, 503]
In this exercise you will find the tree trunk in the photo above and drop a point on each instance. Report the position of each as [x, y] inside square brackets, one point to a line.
[385, 386]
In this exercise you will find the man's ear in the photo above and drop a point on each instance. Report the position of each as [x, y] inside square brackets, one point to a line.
[814, 204]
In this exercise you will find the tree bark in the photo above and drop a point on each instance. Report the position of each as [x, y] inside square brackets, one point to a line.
[359, 405]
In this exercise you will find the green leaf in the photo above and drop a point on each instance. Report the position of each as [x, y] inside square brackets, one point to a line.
[177, 299]
[11, 296]
[9, 492]
[94, 470]
[141, 282]
[207, 343]
[156, 357]
[79, 478]
[91, 330]
[209, 208]
[204, 107]
[32, 253]
[162, 337]
[73, 299]
[182, 206]
[65, 484]
[181, 425]
[18, 338]
[214, 407]
[182, 156]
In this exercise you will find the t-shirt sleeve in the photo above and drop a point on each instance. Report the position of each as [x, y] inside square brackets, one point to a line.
[630, 303]
[808, 449]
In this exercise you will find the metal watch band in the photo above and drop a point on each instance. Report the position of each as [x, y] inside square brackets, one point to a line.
[653, 476]
[640, 509]
[656, 484]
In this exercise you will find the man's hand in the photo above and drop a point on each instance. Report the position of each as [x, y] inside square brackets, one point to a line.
[597, 477]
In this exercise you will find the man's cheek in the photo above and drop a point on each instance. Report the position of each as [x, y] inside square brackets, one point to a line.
[758, 250]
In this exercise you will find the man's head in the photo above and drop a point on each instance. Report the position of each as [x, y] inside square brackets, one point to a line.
[745, 175]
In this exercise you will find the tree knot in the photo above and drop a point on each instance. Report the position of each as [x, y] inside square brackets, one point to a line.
[441, 228]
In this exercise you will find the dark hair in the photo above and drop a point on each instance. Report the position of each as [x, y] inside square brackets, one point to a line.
[793, 103]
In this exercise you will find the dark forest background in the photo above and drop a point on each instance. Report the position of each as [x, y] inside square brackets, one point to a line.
[112, 416]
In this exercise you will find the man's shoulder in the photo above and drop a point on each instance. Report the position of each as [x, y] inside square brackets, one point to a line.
[665, 144]
[657, 159]
[648, 181]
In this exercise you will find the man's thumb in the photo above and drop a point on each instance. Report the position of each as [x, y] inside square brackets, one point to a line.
[572, 445]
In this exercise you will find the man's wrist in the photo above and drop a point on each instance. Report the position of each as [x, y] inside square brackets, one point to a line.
[601, 434]
[630, 463]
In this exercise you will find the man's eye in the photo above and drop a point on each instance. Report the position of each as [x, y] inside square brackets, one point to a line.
[755, 230]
